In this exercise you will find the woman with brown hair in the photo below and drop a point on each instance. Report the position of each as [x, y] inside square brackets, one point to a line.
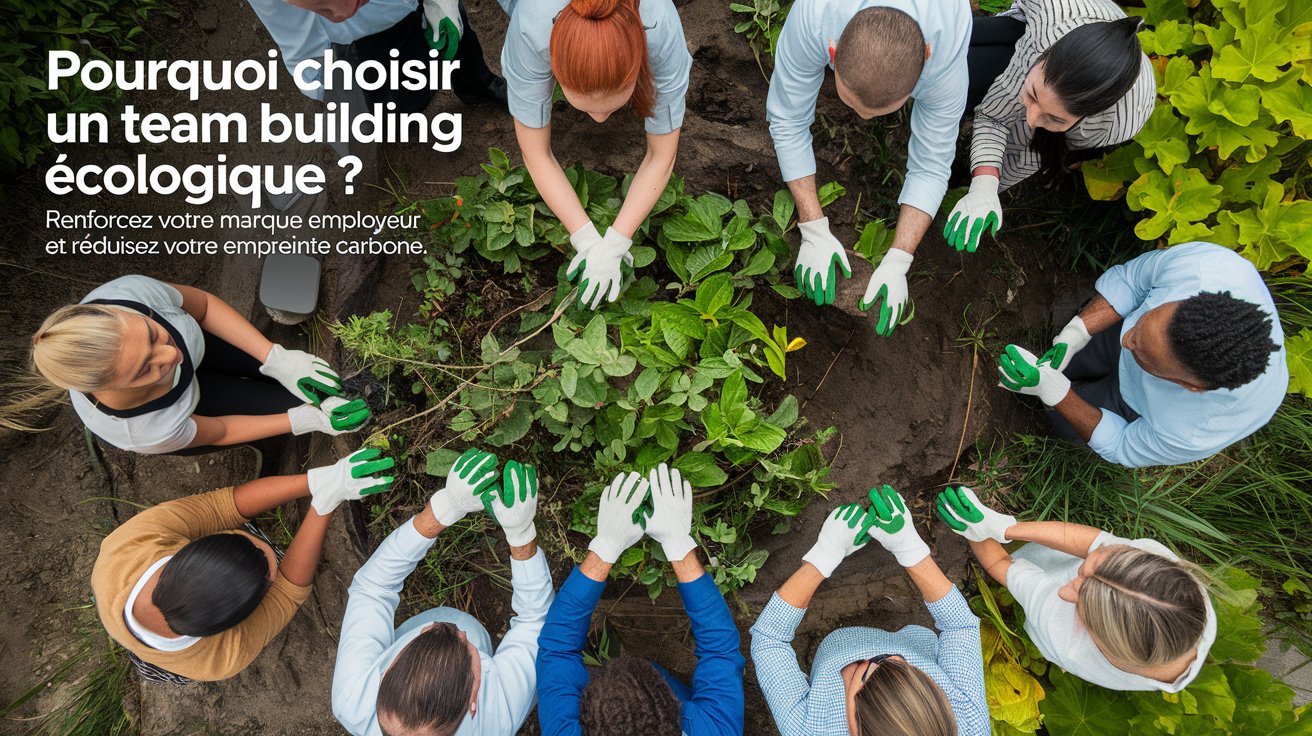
[1126, 614]
[605, 54]
[866, 681]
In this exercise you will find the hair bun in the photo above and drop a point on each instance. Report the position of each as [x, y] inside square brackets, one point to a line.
[595, 9]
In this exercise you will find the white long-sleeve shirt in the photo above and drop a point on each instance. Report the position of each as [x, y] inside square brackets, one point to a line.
[1001, 137]
[813, 27]
[370, 641]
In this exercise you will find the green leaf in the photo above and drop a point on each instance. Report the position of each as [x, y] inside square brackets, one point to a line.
[1074, 708]
[513, 427]
[831, 192]
[1259, 49]
[1262, 703]
[1183, 198]
[761, 262]
[438, 462]
[786, 415]
[713, 294]
[733, 397]
[699, 469]
[764, 438]
[1107, 178]
[1226, 117]
[1168, 38]
[1298, 353]
[647, 383]
[783, 210]
[1291, 100]
[1164, 139]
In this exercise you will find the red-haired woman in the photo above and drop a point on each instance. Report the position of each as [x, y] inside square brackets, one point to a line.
[606, 54]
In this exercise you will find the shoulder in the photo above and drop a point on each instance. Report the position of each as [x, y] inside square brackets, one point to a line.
[148, 291]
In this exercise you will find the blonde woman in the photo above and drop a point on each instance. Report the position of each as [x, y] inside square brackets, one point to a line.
[1125, 614]
[158, 368]
[866, 681]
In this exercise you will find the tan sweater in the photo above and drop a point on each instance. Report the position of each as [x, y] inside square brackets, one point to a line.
[159, 532]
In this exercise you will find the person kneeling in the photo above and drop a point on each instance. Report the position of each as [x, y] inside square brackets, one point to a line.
[628, 695]
[192, 596]
[438, 673]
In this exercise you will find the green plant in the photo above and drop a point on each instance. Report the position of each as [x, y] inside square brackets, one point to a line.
[95, 29]
[1225, 155]
[763, 26]
[1247, 506]
[96, 677]
[661, 375]
[1229, 696]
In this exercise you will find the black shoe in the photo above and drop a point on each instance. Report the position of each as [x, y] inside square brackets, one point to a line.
[492, 91]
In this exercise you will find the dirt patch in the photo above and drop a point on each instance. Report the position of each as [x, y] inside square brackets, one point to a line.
[902, 405]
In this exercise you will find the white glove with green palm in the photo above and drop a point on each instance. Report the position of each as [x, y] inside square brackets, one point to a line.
[976, 212]
[1072, 339]
[888, 523]
[349, 479]
[1020, 371]
[961, 510]
[515, 504]
[619, 517]
[818, 260]
[888, 285]
[841, 535]
[596, 264]
[470, 477]
[308, 377]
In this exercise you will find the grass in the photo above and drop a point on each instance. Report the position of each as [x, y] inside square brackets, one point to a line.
[1250, 505]
[93, 681]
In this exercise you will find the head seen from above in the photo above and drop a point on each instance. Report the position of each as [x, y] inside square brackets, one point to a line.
[628, 696]
[334, 10]
[431, 685]
[878, 61]
[599, 56]
[214, 583]
[1206, 342]
[1084, 73]
[886, 696]
[94, 347]
[1143, 610]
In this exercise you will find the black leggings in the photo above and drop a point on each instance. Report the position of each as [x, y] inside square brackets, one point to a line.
[230, 382]
[992, 44]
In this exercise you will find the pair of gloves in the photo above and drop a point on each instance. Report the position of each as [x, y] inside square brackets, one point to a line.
[309, 378]
[596, 264]
[471, 485]
[852, 526]
[621, 521]
[820, 257]
[1020, 371]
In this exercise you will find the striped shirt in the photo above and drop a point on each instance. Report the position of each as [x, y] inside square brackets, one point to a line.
[816, 706]
[1001, 137]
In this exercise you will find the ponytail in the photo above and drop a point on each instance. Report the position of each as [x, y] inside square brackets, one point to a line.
[600, 47]
[1089, 70]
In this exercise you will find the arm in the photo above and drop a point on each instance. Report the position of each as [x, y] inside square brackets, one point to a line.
[561, 674]
[1099, 314]
[221, 320]
[935, 123]
[236, 429]
[1125, 287]
[959, 656]
[930, 580]
[255, 497]
[1073, 539]
[549, 177]
[1083, 416]
[302, 558]
[368, 626]
[799, 71]
[516, 655]
[717, 681]
[783, 684]
[993, 557]
[912, 224]
[648, 183]
[1138, 444]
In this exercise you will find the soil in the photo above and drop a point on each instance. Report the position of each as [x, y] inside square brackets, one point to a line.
[923, 396]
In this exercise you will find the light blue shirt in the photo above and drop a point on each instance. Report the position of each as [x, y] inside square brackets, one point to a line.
[526, 61]
[813, 27]
[370, 642]
[817, 707]
[302, 35]
[1177, 425]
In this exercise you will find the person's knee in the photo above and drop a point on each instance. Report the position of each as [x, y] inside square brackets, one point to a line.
[628, 696]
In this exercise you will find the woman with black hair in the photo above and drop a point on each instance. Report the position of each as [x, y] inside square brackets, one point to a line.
[192, 596]
[1077, 79]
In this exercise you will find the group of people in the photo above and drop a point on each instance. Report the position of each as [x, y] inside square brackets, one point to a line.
[1178, 355]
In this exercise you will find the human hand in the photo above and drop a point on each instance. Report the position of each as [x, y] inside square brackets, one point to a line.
[472, 474]
[619, 520]
[1020, 371]
[515, 504]
[888, 523]
[961, 510]
[841, 535]
[1072, 339]
[349, 479]
[333, 416]
[889, 284]
[307, 377]
[599, 263]
[975, 213]
[818, 260]
[670, 522]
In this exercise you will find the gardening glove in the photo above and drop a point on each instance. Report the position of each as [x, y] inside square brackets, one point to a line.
[306, 376]
[961, 510]
[670, 522]
[442, 26]
[619, 519]
[469, 478]
[976, 212]
[515, 503]
[889, 283]
[350, 479]
[1020, 371]
[890, 524]
[840, 536]
[334, 416]
[599, 264]
[1071, 340]
[817, 257]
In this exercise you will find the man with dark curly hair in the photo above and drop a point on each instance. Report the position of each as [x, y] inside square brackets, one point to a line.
[1178, 356]
[629, 696]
